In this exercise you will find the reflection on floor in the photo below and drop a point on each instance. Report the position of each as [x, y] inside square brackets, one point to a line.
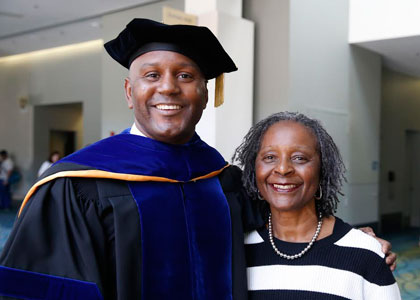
[7, 218]
[406, 245]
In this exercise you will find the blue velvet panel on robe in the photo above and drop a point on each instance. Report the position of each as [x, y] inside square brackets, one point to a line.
[186, 240]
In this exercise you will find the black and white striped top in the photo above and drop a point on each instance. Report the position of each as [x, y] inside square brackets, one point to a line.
[345, 265]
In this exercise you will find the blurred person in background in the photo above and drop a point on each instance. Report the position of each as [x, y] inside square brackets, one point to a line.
[6, 170]
[54, 157]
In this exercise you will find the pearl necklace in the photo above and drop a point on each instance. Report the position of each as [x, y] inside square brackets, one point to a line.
[270, 234]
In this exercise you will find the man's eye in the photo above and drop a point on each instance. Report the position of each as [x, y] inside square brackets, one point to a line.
[268, 158]
[185, 76]
[152, 75]
[299, 158]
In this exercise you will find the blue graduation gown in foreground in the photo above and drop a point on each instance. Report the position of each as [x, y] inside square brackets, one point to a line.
[130, 218]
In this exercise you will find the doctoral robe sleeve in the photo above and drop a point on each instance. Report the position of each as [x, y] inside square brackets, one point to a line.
[244, 217]
[60, 236]
[231, 181]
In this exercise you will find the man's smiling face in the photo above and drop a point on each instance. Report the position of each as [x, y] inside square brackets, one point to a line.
[168, 93]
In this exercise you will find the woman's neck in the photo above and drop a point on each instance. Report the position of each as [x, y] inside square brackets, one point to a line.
[299, 226]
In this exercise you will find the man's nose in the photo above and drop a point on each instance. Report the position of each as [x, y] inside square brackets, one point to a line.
[168, 85]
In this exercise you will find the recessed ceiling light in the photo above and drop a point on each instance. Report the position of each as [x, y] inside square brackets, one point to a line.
[95, 24]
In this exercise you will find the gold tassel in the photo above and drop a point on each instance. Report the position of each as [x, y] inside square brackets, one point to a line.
[218, 93]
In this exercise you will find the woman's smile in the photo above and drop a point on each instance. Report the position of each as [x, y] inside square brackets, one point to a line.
[285, 187]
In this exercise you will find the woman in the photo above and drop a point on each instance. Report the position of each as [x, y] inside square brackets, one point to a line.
[6, 170]
[293, 167]
[54, 157]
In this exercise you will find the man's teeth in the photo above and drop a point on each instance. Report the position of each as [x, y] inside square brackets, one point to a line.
[168, 106]
[284, 186]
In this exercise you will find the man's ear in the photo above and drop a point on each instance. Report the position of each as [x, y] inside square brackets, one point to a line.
[207, 95]
[128, 92]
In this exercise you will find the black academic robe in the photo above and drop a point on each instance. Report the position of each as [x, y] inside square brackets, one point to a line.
[89, 230]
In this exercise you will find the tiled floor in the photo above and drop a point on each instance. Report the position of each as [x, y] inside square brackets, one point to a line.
[407, 273]
[405, 245]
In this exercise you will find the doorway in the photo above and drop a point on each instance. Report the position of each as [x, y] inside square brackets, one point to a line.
[413, 176]
[63, 141]
[57, 127]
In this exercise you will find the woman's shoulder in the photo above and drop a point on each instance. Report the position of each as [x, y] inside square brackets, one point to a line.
[355, 238]
[253, 237]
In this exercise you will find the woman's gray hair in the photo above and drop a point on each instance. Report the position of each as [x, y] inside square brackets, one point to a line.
[332, 166]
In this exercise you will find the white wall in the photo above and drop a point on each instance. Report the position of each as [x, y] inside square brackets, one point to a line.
[271, 60]
[383, 19]
[56, 76]
[364, 96]
[400, 112]
[230, 7]
[327, 79]
[15, 123]
[234, 117]
[326, 83]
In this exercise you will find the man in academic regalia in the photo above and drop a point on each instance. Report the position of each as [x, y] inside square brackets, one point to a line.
[151, 213]
[139, 215]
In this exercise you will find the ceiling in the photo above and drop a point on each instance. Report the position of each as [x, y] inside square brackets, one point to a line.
[399, 54]
[28, 25]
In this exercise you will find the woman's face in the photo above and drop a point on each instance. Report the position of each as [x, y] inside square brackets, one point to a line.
[288, 166]
[55, 157]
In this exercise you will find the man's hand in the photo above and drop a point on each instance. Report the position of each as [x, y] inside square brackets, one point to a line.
[390, 257]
